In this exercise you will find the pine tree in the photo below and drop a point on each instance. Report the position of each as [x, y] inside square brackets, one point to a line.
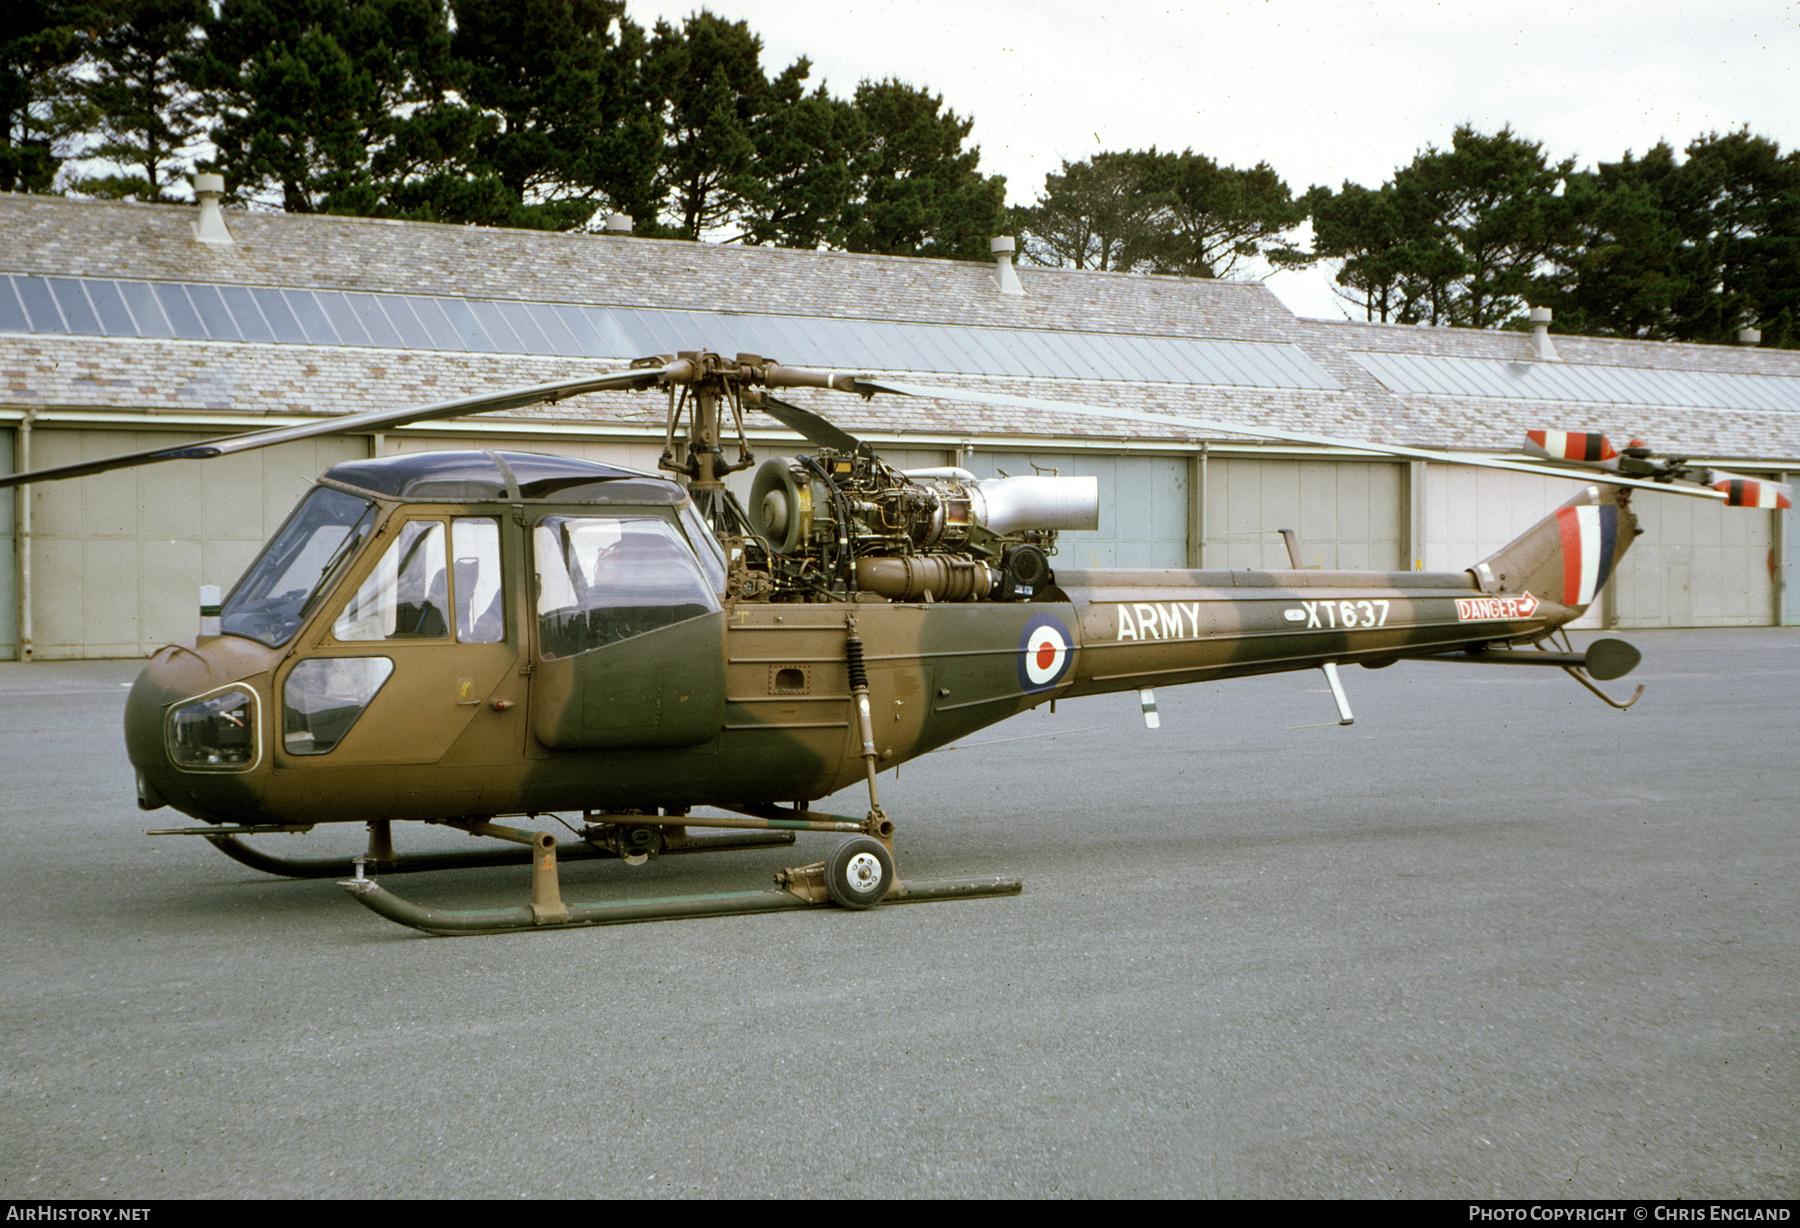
[40, 43]
[804, 143]
[1461, 236]
[1089, 216]
[1627, 262]
[708, 78]
[1153, 212]
[1745, 198]
[919, 192]
[567, 128]
[145, 123]
[325, 106]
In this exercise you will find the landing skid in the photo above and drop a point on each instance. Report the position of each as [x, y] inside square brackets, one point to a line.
[859, 874]
[723, 904]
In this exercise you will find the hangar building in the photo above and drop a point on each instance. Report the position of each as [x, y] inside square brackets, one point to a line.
[125, 327]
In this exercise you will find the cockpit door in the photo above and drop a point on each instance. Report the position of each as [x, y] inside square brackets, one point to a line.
[410, 667]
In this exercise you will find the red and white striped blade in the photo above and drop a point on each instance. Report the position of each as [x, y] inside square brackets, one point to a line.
[1752, 492]
[1585, 447]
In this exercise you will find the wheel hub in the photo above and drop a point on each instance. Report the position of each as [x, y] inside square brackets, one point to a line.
[864, 872]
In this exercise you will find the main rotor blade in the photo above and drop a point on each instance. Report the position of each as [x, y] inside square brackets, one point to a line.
[374, 419]
[808, 425]
[866, 385]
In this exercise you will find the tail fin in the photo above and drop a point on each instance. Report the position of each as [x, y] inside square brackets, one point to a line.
[1566, 558]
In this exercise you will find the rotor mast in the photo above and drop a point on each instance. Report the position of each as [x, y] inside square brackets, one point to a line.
[707, 383]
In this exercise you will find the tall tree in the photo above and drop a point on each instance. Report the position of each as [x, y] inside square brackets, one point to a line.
[40, 42]
[919, 192]
[1155, 212]
[1747, 194]
[804, 181]
[1468, 231]
[1629, 260]
[1090, 216]
[567, 126]
[1685, 251]
[144, 115]
[708, 78]
[327, 106]
[1390, 263]
[1211, 217]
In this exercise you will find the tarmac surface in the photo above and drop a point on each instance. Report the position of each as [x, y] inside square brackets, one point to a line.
[1493, 940]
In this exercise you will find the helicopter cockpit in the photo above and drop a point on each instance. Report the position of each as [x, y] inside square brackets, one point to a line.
[437, 587]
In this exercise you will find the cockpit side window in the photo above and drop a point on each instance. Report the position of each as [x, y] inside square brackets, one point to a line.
[407, 596]
[605, 579]
[480, 609]
[706, 546]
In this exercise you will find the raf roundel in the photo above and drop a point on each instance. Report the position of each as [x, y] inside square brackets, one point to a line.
[1044, 653]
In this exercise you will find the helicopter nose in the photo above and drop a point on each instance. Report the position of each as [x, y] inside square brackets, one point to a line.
[193, 727]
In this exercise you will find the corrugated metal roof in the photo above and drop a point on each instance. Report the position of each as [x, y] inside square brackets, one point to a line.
[1552, 381]
[95, 307]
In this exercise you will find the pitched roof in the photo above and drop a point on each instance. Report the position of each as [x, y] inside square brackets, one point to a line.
[1224, 350]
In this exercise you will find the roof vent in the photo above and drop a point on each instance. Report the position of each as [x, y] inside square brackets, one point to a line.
[617, 224]
[1749, 336]
[210, 226]
[1541, 344]
[1005, 276]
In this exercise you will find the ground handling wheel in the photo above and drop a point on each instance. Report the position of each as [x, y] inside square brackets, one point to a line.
[859, 872]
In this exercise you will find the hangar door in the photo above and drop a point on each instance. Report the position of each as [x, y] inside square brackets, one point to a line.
[1698, 564]
[118, 558]
[9, 600]
[1143, 505]
[1349, 515]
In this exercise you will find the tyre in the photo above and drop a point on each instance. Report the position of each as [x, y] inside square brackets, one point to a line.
[859, 872]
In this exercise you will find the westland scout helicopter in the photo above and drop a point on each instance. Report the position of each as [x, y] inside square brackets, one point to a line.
[453, 638]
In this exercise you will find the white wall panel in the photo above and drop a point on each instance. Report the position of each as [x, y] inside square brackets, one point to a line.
[1789, 532]
[1698, 564]
[1471, 513]
[9, 598]
[118, 559]
[1349, 515]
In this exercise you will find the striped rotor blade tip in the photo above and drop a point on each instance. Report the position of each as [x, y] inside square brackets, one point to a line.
[1750, 492]
[1590, 446]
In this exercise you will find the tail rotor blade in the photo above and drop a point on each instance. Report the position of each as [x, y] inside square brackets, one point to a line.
[1584, 447]
[1752, 492]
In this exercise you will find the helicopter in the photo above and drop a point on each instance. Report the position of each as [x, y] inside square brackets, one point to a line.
[460, 638]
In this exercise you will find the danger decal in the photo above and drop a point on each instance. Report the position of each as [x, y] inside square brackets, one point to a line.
[1487, 609]
[1045, 653]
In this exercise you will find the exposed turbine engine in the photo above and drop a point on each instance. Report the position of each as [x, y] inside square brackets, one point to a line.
[942, 533]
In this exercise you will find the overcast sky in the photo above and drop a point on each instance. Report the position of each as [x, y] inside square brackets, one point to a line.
[1323, 92]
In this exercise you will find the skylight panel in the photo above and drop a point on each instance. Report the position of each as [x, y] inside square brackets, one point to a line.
[146, 312]
[249, 317]
[12, 312]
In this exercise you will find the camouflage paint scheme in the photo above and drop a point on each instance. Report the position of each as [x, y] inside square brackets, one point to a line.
[760, 690]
